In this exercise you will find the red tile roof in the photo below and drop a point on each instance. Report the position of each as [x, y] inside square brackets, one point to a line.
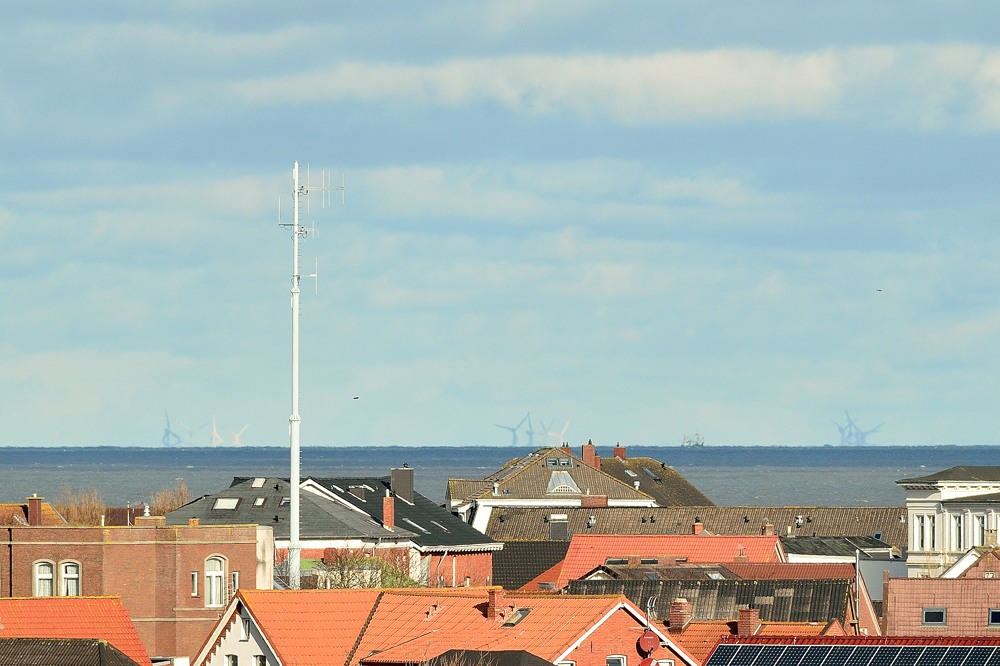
[104, 618]
[309, 627]
[17, 514]
[587, 551]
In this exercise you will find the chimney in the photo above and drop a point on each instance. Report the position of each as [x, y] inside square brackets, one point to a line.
[589, 452]
[389, 512]
[597, 462]
[150, 521]
[768, 529]
[494, 602]
[193, 522]
[749, 621]
[697, 527]
[680, 614]
[593, 501]
[566, 448]
[401, 482]
[34, 510]
[619, 451]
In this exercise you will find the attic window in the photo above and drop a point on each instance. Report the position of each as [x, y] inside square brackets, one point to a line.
[407, 520]
[258, 482]
[994, 617]
[935, 616]
[516, 617]
[259, 501]
[285, 501]
[616, 560]
[631, 473]
[552, 462]
[562, 482]
[648, 560]
[436, 523]
[565, 462]
[877, 536]
[226, 503]
[651, 575]
[715, 575]
[653, 475]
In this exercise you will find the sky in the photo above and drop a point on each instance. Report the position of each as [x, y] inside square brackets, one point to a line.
[646, 220]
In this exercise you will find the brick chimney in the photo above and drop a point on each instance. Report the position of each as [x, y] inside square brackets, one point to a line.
[193, 522]
[494, 602]
[389, 512]
[619, 451]
[697, 527]
[588, 453]
[566, 448]
[749, 621]
[593, 501]
[401, 482]
[35, 510]
[680, 614]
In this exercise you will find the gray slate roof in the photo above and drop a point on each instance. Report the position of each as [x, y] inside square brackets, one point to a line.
[62, 651]
[958, 473]
[817, 600]
[528, 523]
[521, 561]
[658, 480]
[838, 546]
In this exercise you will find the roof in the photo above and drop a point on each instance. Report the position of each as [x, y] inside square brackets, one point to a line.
[530, 477]
[521, 561]
[845, 650]
[48, 651]
[310, 626]
[656, 479]
[102, 618]
[17, 514]
[526, 523]
[433, 526]
[313, 627]
[731, 570]
[988, 474]
[832, 546]
[812, 600]
[699, 638]
[587, 551]
[263, 501]
[491, 657]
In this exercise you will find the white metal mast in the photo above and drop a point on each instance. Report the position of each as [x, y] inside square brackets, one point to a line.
[295, 420]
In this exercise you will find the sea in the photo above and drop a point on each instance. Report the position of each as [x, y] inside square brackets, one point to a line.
[729, 475]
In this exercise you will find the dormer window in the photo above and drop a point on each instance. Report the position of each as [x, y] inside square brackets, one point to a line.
[562, 482]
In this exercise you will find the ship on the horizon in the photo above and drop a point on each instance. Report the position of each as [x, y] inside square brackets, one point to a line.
[689, 441]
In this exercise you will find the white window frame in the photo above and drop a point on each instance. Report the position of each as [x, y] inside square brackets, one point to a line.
[989, 617]
[194, 583]
[38, 576]
[664, 662]
[215, 582]
[623, 660]
[244, 629]
[66, 578]
[934, 609]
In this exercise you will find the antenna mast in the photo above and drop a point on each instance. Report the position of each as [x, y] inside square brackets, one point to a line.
[295, 421]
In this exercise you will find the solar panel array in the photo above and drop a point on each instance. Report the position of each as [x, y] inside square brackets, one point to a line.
[853, 655]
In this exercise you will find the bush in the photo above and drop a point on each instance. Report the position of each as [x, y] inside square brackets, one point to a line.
[164, 501]
[83, 507]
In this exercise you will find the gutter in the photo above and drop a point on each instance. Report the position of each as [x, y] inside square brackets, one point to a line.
[10, 561]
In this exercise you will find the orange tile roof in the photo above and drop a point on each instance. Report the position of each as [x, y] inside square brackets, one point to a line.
[587, 551]
[550, 576]
[308, 627]
[17, 514]
[411, 628]
[104, 618]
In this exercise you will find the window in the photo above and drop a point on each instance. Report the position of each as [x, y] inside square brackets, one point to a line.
[226, 503]
[935, 616]
[43, 579]
[993, 617]
[258, 482]
[933, 531]
[920, 528]
[215, 571]
[69, 579]
[260, 660]
[565, 462]
[232, 660]
[194, 583]
[958, 533]
[665, 662]
[259, 501]
[980, 530]
[236, 581]
[552, 462]
[615, 660]
[516, 617]
[244, 629]
[285, 501]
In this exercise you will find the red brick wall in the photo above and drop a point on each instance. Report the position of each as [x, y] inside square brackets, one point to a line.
[148, 567]
[619, 635]
[454, 567]
[966, 602]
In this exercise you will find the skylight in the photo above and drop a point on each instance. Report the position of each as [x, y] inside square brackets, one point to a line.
[653, 475]
[516, 617]
[226, 503]
[258, 482]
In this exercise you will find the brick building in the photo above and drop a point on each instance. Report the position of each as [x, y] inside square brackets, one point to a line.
[174, 581]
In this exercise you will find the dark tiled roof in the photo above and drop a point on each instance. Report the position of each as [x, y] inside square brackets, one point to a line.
[840, 546]
[433, 526]
[817, 600]
[727, 571]
[529, 478]
[520, 561]
[656, 479]
[491, 657]
[966, 499]
[49, 651]
[959, 473]
[528, 523]
[263, 505]
[664, 571]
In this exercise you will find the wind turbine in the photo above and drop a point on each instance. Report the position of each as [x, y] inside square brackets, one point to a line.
[215, 439]
[235, 436]
[170, 438]
[513, 430]
[560, 436]
[530, 431]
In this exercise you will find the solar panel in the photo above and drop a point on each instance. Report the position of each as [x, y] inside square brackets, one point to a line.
[815, 655]
[791, 656]
[954, 656]
[994, 659]
[769, 655]
[746, 655]
[861, 656]
[884, 655]
[908, 655]
[722, 655]
[931, 656]
[978, 656]
[838, 655]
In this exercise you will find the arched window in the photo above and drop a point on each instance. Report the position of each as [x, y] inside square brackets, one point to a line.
[69, 579]
[43, 583]
[215, 577]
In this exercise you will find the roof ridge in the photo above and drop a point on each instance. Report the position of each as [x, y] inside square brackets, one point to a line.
[364, 628]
